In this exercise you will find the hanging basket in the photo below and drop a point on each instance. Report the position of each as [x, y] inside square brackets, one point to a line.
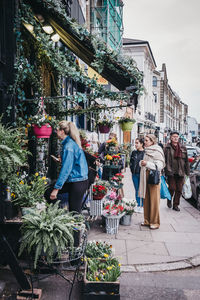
[44, 131]
[104, 129]
[126, 126]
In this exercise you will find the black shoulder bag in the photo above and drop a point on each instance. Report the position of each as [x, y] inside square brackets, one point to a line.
[154, 176]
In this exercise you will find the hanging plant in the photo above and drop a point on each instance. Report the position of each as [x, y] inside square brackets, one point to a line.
[126, 123]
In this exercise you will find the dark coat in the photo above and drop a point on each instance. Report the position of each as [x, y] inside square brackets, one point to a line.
[136, 157]
[184, 168]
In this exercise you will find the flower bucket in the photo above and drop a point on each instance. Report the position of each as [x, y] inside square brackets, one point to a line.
[104, 129]
[96, 207]
[126, 126]
[112, 224]
[126, 220]
[44, 131]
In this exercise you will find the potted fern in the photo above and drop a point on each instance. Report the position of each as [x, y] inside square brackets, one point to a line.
[49, 233]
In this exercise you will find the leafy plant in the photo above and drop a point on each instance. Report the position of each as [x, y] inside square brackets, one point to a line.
[99, 189]
[105, 122]
[48, 232]
[126, 119]
[28, 191]
[103, 270]
[12, 154]
[98, 250]
[42, 119]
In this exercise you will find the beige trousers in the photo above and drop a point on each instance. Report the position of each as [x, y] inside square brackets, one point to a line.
[152, 204]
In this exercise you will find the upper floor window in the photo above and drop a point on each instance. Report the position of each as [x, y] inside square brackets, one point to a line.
[154, 81]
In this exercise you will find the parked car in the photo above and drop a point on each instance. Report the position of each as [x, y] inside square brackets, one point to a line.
[192, 153]
[195, 181]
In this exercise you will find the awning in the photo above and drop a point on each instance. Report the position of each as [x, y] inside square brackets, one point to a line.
[116, 73]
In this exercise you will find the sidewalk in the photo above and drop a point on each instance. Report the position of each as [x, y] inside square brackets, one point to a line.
[176, 245]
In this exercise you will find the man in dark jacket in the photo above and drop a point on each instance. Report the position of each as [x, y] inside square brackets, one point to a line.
[177, 166]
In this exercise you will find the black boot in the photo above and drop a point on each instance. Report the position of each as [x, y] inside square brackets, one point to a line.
[169, 203]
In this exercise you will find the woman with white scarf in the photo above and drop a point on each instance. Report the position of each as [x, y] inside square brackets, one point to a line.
[153, 157]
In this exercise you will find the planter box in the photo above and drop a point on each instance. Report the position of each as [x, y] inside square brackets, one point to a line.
[96, 207]
[100, 289]
[44, 131]
[104, 129]
[126, 126]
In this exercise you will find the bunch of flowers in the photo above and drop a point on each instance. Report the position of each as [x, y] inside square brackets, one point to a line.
[111, 143]
[42, 119]
[118, 177]
[129, 206]
[103, 270]
[28, 191]
[98, 249]
[105, 122]
[99, 190]
[116, 157]
[111, 208]
[108, 157]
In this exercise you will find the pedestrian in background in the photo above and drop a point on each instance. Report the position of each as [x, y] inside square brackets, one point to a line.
[153, 157]
[136, 156]
[177, 166]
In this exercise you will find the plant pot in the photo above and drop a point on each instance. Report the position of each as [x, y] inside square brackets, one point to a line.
[96, 207]
[44, 131]
[126, 126]
[26, 210]
[104, 129]
[100, 289]
[112, 224]
[98, 197]
[126, 220]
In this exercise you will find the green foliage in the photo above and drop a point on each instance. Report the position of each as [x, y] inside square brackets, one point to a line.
[48, 232]
[105, 122]
[28, 191]
[43, 119]
[12, 155]
[103, 270]
[126, 119]
[98, 250]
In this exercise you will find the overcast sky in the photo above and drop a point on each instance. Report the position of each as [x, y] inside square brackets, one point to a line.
[172, 28]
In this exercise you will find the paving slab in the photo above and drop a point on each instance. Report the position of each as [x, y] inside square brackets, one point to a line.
[183, 249]
[195, 261]
[164, 267]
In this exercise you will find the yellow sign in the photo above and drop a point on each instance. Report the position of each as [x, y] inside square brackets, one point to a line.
[100, 80]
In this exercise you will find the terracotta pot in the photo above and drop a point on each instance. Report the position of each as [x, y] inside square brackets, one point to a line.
[104, 129]
[44, 131]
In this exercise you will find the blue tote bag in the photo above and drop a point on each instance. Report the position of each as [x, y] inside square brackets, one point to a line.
[164, 192]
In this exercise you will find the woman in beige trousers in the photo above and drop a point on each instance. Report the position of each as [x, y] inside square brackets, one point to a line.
[153, 157]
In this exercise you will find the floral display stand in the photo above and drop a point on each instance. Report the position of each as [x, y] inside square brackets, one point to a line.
[126, 220]
[100, 289]
[112, 223]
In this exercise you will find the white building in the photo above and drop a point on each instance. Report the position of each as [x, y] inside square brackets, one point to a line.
[192, 129]
[147, 113]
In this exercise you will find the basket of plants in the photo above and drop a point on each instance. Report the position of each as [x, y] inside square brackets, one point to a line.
[102, 271]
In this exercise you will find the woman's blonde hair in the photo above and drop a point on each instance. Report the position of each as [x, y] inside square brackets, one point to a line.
[152, 137]
[71, 130]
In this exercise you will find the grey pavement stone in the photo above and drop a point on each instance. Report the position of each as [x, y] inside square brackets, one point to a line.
[135, 235]
[164, 267]
[128, 269]
[195, 261]
[154, 259]
[183, 249]
[178, 237]
[194, 237]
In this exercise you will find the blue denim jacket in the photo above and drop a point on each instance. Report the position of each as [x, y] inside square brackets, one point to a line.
[74, 165]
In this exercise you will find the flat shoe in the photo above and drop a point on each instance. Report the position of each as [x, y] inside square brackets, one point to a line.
[169, 203]
[144, 224]
[153, 227]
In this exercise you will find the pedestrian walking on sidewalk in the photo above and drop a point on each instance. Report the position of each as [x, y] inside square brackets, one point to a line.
[136, 156]
[177, 166]
[153, 157]
[73, 176]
